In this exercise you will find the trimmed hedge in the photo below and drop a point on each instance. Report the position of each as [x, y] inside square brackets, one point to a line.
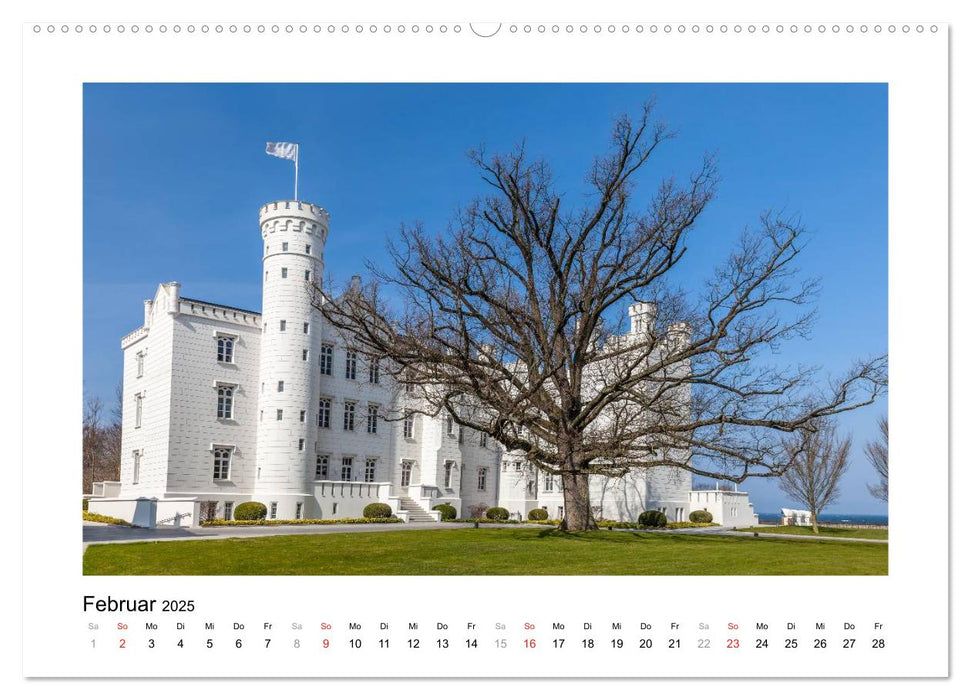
[700, 516]
[447, 510]
[377, 510]
[538, 514]
[652, 518]
[497, 513]
[271, 523]
[250, 510]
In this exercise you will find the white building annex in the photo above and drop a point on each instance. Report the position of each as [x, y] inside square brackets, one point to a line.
[226, 405]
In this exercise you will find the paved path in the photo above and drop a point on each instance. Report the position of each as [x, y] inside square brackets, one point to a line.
[100, 533]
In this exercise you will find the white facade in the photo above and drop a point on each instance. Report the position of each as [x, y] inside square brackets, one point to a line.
[731, 508]
[227, 405]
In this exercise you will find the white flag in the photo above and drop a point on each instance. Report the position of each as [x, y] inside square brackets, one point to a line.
[282, 150]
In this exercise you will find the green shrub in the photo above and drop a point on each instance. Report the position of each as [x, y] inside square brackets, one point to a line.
[377, 510]
[250, 510]
[447, 510]
[84, 504]
[700, 516]
[497, 514]
[652, 518]
[538, 514]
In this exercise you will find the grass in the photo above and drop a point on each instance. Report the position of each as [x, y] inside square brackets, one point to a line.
[488, 551]
[861, 533]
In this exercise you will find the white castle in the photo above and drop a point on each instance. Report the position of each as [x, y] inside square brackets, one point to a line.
[222, 405]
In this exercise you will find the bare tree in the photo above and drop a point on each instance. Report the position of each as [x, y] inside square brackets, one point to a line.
[510, 323]
[100, 443]
[878, 452]
[818, 461]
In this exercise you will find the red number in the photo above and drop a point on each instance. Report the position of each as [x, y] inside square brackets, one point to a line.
[121, 643]
[326, 644]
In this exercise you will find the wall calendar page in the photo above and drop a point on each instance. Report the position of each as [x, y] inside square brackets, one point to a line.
[553, 351]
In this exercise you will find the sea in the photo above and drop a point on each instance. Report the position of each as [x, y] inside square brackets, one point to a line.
[849, 519]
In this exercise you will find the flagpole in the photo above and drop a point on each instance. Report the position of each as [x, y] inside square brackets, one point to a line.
[296, 173]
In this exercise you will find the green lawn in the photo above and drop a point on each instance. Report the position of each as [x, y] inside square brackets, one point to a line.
[487, 551]
[862, 533]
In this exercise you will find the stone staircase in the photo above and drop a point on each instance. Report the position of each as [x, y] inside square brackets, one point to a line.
[415, 512]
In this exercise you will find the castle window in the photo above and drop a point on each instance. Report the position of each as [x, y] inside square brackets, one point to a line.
[374, 370]
[348, 415]
[327, 359]
[409, 383]
[406, 467]
[283, 325]
[139, 364]
[306, 354]
[347, 465]
[306, 249]
[306, 275]
[548, 481]
[372, 419]
[370, 467]
[461, 434]
[283, 272]
[279, 414]
[228, 510]
[136, 457]
[303, 416]
[300, 444]
[224, 348]
[350, 367]
[224, 401]
[299, 513]
[306, 328]
[323, 461]
[286, 247]
[409, 426]
[221, 457]
[279, 386]
[138, 410]
[449, 470]
[449, 427]
[323, 413]
[272, 510]
[483, 474]
[483, 439]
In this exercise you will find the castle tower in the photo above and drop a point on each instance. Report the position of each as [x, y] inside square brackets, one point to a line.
[294, 234]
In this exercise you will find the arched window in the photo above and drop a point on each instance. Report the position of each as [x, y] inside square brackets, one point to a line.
[224, 402]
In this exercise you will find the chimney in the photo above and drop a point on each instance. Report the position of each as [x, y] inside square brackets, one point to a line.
[148, 313]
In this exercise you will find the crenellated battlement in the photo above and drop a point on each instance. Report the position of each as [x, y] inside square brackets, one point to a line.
[298, 211]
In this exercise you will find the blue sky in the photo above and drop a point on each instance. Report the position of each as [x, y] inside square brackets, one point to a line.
[174, 176]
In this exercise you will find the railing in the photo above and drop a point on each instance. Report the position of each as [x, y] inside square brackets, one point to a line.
[174, 518]
[354, 489]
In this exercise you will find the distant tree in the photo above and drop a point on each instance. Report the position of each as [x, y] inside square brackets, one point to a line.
[511, 322]
[100, 443]
[817, 462]
[878, 452]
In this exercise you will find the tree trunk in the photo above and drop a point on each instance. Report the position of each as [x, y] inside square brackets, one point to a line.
[577, 514]
[815, 526]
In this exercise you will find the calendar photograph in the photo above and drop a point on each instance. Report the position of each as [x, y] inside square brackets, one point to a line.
[485, 329]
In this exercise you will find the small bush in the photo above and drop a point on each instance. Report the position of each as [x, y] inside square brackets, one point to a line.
[652, 518]
[447, 510]
[377, 510]
[497, 514]
[700, 516]
[250, 510]
[84, 504]
[538, 514]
